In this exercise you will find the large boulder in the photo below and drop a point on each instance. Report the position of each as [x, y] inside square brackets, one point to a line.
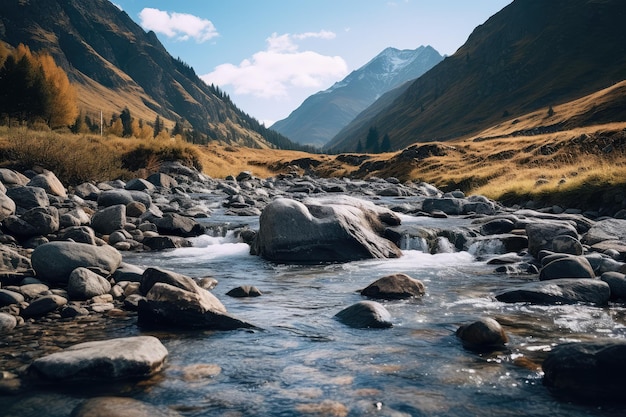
[38, 221]
[109, 219]
[559, 291]
[588, 370]
[28, 197]
[365, 314]
[567, 267]
[541, 234]
[324, 230]
[609, 229]
[10, 177]
[394, 287]
[116, 196]
[485, 334]
[123, 358]
[448, 205]
[55, 261]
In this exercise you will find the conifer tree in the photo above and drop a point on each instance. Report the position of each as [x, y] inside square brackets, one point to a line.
[158, 126]
[385, 145]
[371, 141]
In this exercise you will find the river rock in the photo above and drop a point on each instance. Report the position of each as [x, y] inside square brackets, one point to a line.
[451, 206]
[84, 284]
[558, 291]
[567, 244]
[497, 227]
[44, 305]
[485, 334]
[617, 283]
[139, 184]
[609, 229]
[177, 225]
[10, 177]
[79, 234]
[332, 230]
[7, 206]
[37, 221]
[28, 197]
[120, 407]
[34, 290]
[114, 359]
[87, 191]
[593, 370]
[109, 219]
[365, 314]
[244, 291]
[8, 322]
[55, 261]
[567, 267]
[165, 242]
[49, 182]
[394, 287]
[170, 306]
[152, 276]
[8, 297]
[541, 234]
[160, 179]
[10, 260]
[116, 197]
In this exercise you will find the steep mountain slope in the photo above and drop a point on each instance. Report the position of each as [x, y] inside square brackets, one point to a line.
[532, 55]
[116, 64]
[325, 113]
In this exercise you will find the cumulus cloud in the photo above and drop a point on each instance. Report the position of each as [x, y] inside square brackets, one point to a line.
[279, 68]
[181, 26]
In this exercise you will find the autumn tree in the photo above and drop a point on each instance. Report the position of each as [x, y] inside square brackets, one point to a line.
[61, 101]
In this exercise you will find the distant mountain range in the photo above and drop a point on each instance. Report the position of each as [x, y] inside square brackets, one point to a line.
[115, 64]
[532, 55]
[324, 114]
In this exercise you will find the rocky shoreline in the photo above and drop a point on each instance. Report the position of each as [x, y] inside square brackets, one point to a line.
[62, 262]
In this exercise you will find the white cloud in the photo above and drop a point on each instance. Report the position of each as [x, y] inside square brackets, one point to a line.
[281, 67]
[181, 26]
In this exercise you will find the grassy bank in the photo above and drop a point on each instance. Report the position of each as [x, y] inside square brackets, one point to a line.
[574, 168]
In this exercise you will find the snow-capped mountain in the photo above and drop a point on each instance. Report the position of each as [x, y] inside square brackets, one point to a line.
[325, 113]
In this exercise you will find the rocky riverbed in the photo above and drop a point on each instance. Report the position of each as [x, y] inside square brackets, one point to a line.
[66, 283]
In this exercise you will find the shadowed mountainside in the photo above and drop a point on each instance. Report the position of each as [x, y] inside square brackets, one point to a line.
[531, 55]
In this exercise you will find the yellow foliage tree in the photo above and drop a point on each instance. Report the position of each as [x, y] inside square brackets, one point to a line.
[116, 129]
[62, 109]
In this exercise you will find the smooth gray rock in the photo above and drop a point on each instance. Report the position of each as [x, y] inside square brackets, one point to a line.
[49, 182]
[7, 322]
[394, 287]
[55, 261]
[160, 179]
[116, 197]
[497, 227]
[485, 334]
[109, 219]
[365, 314]
[567, 267]
[588, 370]
[558, 291]
[34, 290]
[114, 359]
[324, 230]
[541, 234]
[177, 225]
[8, 297]
[84, 284]
[244, 291]
[44, 305]
[617, 283]
[451, 206]
[139, 184]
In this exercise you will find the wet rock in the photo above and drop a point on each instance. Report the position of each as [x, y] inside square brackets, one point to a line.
[587, 370]
[395, 287]
[365, 314]
[449, 206]
[244, 291]
[177, 225]
[152, 276]
[109, 219]
[44, 305]
[497, 227]
[331, 230]
[114, 359]
[617, 284]
[558, 291]
[84, 284]
[567, 267]
[609, 229]
[541, 234]
[49, 182]
[168, 306]
[165, 242]
[485, 334]
[567, 244]
[119, 407]
[69, 311]
[55, 261]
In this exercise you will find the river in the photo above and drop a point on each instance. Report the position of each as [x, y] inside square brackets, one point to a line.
[303, 362]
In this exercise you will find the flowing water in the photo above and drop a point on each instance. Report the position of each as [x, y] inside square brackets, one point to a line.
[305, 363]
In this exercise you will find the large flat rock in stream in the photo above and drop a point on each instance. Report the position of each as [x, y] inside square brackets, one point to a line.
[558, 291]
[122, 358]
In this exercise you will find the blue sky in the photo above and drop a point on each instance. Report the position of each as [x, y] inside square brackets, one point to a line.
[270, 55]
